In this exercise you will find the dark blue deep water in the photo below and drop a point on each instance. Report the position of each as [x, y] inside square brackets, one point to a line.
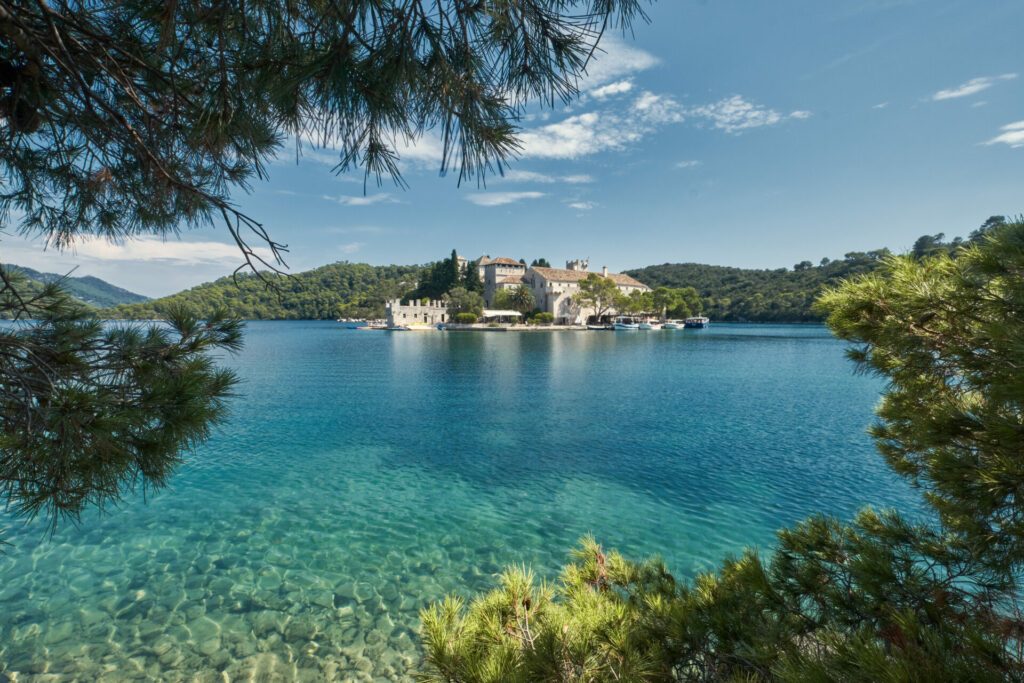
[363, 474]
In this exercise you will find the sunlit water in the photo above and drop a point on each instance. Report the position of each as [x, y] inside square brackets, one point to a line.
[364, 474]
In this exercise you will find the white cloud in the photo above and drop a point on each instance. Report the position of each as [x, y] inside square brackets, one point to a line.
[357, 200]
[971, 87]
[351, 247]
[582, 206]
[599, 131]
[688, 163]
[615, 59]
[880, 105]
[735, 114]
[501, 198]
[520, 176]
[979, 103]
[658, 109]
[616, 88]
[155, 249]
[1012, 135]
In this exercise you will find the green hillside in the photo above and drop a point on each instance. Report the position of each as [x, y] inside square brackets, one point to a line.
[91, 290]
[741, 294]
[337, 290]
[785, 295]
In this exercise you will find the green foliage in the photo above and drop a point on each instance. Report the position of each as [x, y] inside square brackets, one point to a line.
[522, 300]
[466, 318]
[540, 263]
[353, 290]
[471, 278]
[878, 599]
[119, 121]
[598, 293]
[543, 318]
[461, 300]
[87, 289]
[92, 410]
[635, 302]
[739, 294]
[947, 333]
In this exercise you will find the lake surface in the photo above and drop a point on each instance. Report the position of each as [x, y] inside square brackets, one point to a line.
[363, 474]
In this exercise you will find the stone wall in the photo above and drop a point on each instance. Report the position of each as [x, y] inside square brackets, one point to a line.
[415, 313]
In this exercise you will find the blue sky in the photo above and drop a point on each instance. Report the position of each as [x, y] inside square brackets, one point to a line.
[730, 132]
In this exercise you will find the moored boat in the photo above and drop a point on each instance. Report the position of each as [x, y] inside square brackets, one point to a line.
[672, 325]
[622, 323]
[696, 322]
[648, 325]
[599, 327]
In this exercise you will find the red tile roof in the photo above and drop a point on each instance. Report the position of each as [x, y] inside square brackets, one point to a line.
[564, 275]
[505, 261]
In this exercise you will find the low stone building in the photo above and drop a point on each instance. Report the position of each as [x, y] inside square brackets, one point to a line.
[554, 288]
[415, 313]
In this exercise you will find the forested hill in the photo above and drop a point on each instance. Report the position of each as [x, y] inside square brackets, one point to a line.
[741, 294]
[91, 290]
[332, 291]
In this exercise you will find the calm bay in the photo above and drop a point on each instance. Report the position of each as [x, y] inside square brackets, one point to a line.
[363, 474]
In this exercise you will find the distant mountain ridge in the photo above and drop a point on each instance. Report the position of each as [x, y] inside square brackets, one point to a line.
[91, 290]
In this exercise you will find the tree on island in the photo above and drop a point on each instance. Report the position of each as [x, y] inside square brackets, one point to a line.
[935, 598]
[522, 300]
[461, 300]
[471, 278]
[597, 293]
[130, 118]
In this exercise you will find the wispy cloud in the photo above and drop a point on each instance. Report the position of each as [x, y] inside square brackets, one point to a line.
[582, 206]
[360, 200]
[971, 87]
[351, 247]
[688, 163]
[520, 176]
[880, 105]
[1012, 135]
[598, 131]
[735, 115]
[154, 249]
[616, 88]
[501, 198]
[615, 59]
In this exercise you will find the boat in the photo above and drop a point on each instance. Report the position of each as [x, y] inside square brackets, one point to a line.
[696, 322]
[599, 327]
[672, 325]
[622, 323]
[648, 325]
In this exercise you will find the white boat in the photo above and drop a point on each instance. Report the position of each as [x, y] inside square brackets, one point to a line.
[598, 327]
[647, 325]
[625, 324]
[672, 325]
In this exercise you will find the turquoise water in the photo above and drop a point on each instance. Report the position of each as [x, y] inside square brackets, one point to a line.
[363, 474]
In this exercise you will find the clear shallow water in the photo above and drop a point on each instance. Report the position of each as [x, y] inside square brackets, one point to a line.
[364, 474]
